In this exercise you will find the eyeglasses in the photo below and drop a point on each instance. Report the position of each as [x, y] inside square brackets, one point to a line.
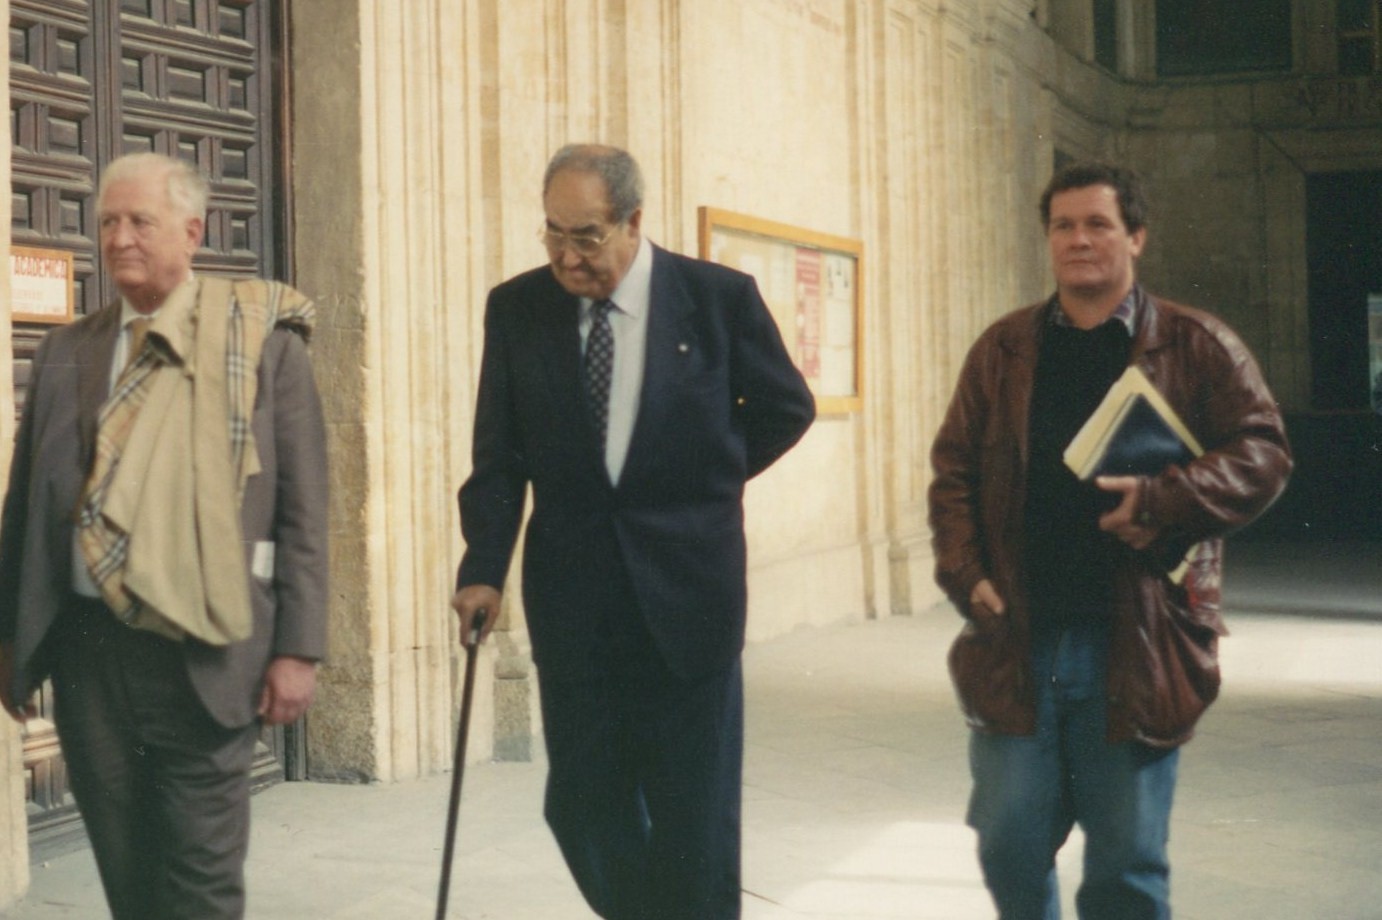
[583, 243]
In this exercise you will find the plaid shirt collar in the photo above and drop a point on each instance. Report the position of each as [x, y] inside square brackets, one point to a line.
[1126, 312]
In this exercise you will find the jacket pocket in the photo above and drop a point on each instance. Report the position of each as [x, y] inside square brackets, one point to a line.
[990, 676]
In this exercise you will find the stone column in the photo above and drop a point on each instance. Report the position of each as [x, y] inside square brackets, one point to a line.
[389, 225]
[1071, 24]
[14, 835]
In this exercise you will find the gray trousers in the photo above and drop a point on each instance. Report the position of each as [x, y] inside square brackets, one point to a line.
[163, 789]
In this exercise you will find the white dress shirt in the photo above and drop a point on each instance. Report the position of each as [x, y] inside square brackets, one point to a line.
[629, 323]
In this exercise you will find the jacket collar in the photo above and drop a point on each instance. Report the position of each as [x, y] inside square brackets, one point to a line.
[1152, 332]
[670, 340]
[95, 349]
[1021, 335]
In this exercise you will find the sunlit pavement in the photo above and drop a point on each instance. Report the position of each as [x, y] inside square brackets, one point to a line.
[855, 785]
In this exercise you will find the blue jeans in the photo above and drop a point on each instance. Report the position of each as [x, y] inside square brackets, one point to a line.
[1030, 790]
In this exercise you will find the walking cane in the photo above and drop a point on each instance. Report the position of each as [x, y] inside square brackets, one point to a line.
[472, 642]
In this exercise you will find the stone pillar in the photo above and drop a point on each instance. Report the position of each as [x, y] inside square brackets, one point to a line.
[14, 830]
[1137, 40]
[14, 833]
[326, 143]
[1316, 42]
[389, 225]
[1071, 24]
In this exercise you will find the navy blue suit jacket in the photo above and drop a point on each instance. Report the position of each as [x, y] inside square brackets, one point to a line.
[721, 400]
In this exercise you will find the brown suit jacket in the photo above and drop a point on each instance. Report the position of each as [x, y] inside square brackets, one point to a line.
[286, 504]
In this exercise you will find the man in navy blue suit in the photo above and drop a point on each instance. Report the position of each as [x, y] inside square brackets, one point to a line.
[636, 391]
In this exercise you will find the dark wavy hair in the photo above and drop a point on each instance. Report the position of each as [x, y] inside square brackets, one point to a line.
[1132, 200]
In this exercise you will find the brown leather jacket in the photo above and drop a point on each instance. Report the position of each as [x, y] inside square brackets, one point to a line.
[1163, 669]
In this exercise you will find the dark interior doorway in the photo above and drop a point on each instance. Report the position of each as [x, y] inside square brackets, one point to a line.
[1336, 491]
[1344, 251]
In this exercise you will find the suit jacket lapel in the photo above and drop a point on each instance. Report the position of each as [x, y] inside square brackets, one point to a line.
[669, 342]
[559, 344]
[556, 328]
[95, 350]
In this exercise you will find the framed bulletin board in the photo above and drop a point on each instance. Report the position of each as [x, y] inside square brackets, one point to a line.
[812, 284]
[42, 288]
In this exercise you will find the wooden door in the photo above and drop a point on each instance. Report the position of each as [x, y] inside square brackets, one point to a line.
[90, 80]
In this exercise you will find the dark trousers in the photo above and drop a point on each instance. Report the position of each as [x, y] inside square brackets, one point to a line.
[162, 788]
[644, 785]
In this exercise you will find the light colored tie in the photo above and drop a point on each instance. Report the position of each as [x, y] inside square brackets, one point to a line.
[599, 366]
[138, 329]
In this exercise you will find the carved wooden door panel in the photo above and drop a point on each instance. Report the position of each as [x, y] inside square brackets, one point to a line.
[53, 123]
[90, 80]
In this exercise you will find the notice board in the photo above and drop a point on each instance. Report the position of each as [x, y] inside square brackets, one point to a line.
[812, 284]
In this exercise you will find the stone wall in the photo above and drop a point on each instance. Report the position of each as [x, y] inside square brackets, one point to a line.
[389, 217]
[919, 128]
[1227, 165]
[923, 129]
[14, 839]
[418, 157]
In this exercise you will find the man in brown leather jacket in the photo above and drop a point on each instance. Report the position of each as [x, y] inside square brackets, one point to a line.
[1085, 659]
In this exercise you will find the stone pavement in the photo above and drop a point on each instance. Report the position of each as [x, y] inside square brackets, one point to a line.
[855, 786]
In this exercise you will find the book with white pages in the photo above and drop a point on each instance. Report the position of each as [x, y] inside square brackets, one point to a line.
[1133, 432]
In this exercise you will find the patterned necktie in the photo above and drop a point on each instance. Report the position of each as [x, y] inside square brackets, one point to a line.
[138, 329]
[599, 365]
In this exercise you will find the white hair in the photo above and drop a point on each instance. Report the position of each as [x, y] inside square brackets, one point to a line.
[188, 191]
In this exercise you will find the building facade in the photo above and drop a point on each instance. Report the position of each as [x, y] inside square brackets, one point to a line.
[387, 157]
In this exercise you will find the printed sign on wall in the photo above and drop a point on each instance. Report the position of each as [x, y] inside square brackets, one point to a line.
[42, 289]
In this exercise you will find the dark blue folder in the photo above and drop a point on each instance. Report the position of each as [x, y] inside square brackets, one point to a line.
[1141, 444]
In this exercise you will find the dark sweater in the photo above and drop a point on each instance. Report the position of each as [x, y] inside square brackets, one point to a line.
[1069, 561]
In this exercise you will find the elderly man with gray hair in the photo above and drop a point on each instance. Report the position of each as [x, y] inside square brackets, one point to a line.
[184, 604]
[636, 391]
